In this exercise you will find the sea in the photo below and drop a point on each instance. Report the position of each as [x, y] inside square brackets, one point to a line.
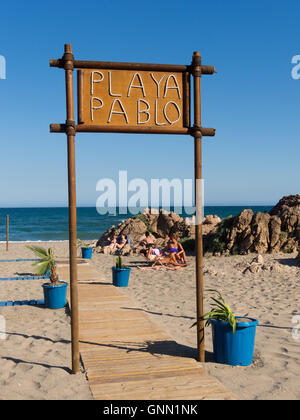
[35, 224]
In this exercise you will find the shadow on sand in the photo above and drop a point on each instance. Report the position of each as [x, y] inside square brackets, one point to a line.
[155, 348]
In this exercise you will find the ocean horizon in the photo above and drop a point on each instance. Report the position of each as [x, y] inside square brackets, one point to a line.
[39, 224]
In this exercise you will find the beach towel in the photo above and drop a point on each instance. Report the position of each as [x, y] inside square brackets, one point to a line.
[159, 267]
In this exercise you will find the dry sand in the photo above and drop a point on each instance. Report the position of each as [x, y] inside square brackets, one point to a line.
[273, 297]
[35, 356]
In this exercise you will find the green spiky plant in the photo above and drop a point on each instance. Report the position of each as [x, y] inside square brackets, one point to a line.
[219, 311]
[119, 263]
[82, 244]
[45, 263]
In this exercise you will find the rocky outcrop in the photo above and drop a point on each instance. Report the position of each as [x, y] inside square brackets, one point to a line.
[134, 227]
[160, 224]
[258, 265]
[288, 210]
[297, 259]
[278, 230]
[247, 232]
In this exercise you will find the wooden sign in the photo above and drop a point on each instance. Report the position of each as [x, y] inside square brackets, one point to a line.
[127, 98]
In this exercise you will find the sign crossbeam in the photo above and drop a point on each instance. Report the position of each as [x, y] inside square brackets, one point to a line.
[145, 99]
[61, 128]
[83, 64]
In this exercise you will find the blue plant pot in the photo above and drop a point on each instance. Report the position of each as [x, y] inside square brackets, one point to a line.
[234, 349]
[87, 252]
[55, 295]
[120, 276]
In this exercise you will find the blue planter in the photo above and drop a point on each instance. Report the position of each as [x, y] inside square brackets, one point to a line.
[234, 349]
[87, 252]
[120, 276]
[55, 295]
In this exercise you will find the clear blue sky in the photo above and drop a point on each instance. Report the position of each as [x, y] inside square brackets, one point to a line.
[253, 102]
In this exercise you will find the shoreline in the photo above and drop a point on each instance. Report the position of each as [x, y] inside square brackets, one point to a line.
[50, 222]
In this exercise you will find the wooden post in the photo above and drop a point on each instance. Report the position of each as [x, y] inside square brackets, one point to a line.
[196, 70]
[7, 231]
[68, 60]
[80, 96]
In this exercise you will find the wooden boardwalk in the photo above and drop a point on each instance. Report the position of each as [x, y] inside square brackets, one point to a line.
[129, 357]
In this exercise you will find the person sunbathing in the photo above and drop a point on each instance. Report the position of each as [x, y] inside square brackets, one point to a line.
[122, 242]
[152, 254]
[113, 243]
[163, 261]
[168, 260]
[146, 241]
[157, 257]
[175, 247]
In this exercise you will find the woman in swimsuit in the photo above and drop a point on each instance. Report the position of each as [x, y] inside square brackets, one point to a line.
[122, 242]
[113, 243]
[146, 241]
[158, 259]
[175, 247]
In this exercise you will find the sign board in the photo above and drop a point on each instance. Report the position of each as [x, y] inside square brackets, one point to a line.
[130, 98]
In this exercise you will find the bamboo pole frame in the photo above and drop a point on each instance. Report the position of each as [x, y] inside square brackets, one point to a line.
[70, 132]
[198, 201]
[196, 69]
[83, 64]
[85, 128]
[80, 97]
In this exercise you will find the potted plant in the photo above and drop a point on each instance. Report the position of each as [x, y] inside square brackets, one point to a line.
[86, 249]
[120, 274]
[55, 292]
[233, 336]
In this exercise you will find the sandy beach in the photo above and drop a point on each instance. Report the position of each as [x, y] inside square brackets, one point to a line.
[36, 355]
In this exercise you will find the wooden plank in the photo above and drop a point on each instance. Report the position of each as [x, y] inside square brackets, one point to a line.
[109, 352]
[117, 325]
[124, 349]
[102, 300]
[89, 296]
[126, 340]
[139, 335]
[165, 376]
[137, 361]
[202, 392]
[185, 377]
[109, 315]
[170, 384]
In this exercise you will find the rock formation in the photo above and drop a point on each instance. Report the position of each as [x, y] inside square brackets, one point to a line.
[247, 232]
[160, 224]
[278, 230]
